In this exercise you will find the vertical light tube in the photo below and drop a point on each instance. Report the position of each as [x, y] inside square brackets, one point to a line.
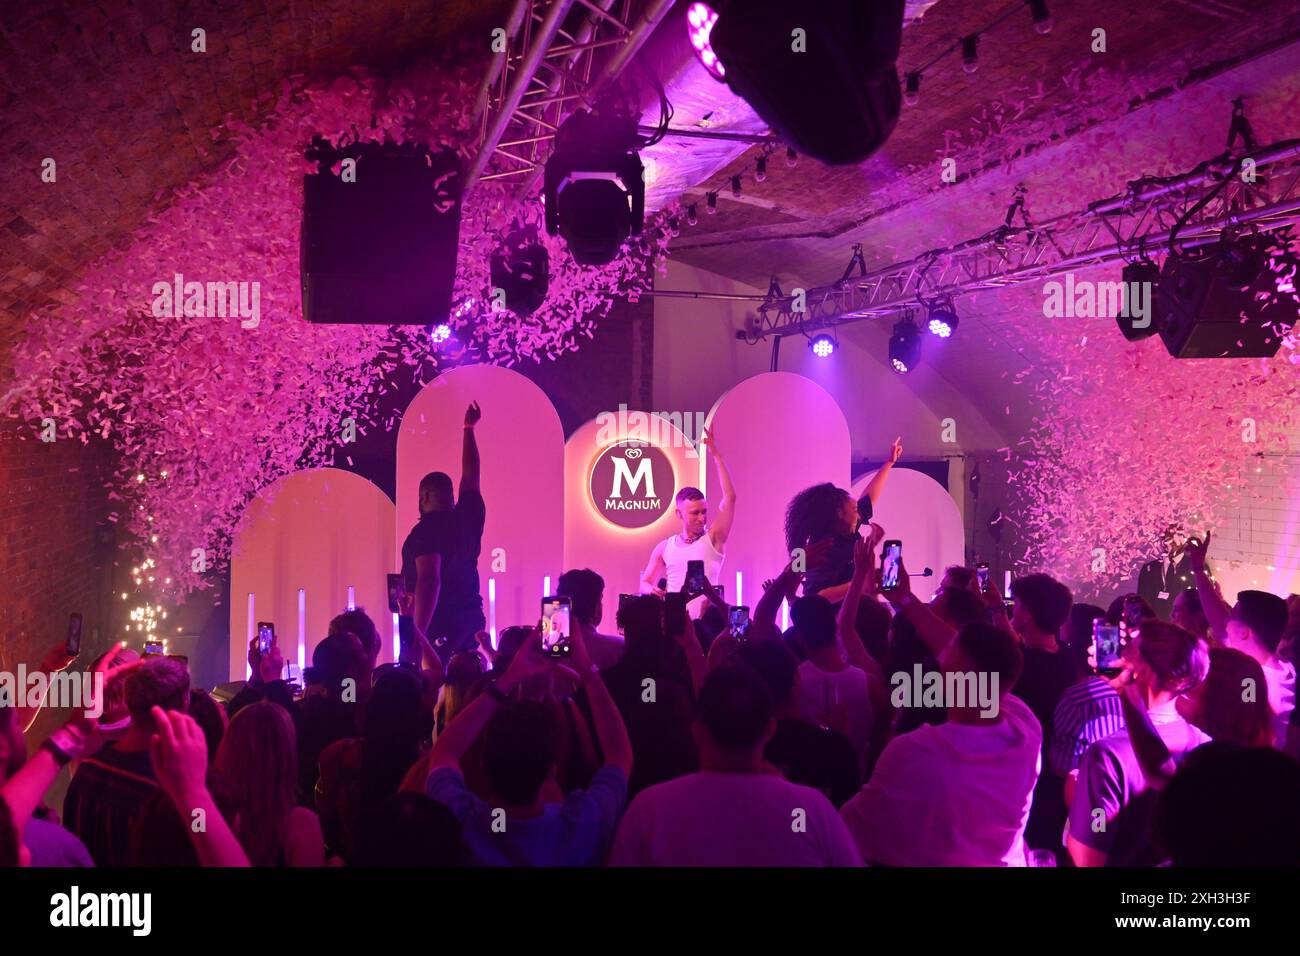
[492, 611]
[740, 591]
[397, 638]
[546, 586]
[785, 615]
[302, 628]
[252, 615]
[352, 597]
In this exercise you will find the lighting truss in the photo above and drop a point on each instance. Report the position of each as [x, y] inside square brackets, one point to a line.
[557, 60]
[1138, 222]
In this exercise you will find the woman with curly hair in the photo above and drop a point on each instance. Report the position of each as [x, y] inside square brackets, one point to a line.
[828, 512]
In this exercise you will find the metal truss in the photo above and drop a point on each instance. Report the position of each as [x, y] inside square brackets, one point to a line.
[559, 54]
[1235, 191]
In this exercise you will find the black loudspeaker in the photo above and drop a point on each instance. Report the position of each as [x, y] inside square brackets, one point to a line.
[1207, 311]
[380, 250]
[821, 74]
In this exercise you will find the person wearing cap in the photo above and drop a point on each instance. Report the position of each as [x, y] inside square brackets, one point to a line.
[1253, 625]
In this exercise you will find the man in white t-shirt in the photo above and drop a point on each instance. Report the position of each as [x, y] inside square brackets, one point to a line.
[1167, 662]
[957, 793]
[697, 541]
[1253, 625]
[737, 811]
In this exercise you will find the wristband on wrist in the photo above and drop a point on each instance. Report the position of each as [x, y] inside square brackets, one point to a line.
[59, 745]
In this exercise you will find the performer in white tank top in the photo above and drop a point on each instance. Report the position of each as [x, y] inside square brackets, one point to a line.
[698, 539]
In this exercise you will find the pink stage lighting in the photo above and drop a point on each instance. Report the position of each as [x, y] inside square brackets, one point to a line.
[700, 18]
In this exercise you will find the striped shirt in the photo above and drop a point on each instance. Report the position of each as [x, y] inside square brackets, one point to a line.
[104, 801]
[1087, 712]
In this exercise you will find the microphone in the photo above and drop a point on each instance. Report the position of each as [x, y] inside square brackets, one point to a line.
[927, 573]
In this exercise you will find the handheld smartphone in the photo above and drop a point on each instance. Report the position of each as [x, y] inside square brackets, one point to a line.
[1105, 638]
[738, 621]
[623, 601]
[153, 648]
[891, 558]
[265, 637]
[982, 575]
[555, 626]
[396, 592]
[694, 577]
[73, 646]
[675, 613]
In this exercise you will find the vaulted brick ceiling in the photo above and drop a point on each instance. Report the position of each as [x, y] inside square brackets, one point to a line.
[111, 91]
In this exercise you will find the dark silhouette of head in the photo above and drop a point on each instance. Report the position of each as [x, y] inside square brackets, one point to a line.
[436, 493]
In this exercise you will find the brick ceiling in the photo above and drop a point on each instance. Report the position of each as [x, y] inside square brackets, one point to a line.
[111, 91]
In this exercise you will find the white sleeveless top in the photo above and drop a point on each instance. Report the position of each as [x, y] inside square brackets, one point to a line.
[675, 557]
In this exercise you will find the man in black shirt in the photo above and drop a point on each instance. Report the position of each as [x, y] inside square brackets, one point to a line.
[440, 556]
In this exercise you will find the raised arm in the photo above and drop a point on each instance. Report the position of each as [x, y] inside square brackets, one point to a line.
[847, 621]
[932, 629]
[459, 735]
[179, 754]
[877, 483]
[721, 526]
[611, 733]
[1215, 608]
[469, 468]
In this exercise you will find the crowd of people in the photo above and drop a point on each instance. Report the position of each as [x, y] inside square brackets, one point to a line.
[877, 729]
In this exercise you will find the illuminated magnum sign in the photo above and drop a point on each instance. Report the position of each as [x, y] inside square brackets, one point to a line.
[632, 484]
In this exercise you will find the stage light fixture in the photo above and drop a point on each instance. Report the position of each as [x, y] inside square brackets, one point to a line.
[823, 346]
[711, 203]
[521, 269]
[674, 227]
[440, 333]
[760, 169]
[912, 89]
[700, 18]
[692, 215]
[594, 185]
[735, 186]
[905, 346]
[1135, 273]
[970, 55]
[1042, 18]
[791, 157]
[942, 320]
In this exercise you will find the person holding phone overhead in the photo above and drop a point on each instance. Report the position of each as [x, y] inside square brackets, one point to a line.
[698, 540]
[440, 555]
[826, 512]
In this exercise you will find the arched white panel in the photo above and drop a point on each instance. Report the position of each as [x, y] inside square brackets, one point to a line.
[302, 543]
[521, 451]
[917, 510]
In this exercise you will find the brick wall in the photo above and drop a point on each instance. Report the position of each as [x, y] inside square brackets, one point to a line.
[1264, 527]
[51, 498]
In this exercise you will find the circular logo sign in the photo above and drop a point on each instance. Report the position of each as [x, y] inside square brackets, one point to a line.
[632, 484]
